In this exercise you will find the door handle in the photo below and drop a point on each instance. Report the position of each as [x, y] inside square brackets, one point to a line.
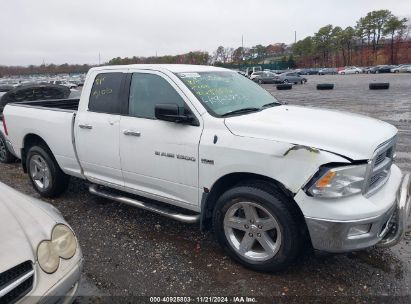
[85, 126]
[131, 133]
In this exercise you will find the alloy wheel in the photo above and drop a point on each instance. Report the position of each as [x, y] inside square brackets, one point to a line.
[252, 231]
[40, 172]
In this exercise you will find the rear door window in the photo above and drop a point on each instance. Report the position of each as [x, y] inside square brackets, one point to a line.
[106, 92]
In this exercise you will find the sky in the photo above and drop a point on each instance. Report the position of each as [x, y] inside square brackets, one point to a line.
[77, 31]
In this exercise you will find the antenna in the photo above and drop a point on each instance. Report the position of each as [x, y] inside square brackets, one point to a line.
[99, 58]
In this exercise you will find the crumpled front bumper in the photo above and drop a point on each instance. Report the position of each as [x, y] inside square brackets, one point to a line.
[385, 230]
[399, 222]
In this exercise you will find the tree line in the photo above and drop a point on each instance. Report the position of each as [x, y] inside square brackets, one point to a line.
[196, 57]
[49, 69]
[378, 38]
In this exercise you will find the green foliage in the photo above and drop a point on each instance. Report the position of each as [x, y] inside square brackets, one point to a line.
[331, 43]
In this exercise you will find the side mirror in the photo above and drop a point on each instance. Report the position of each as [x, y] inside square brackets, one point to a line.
[171, 112]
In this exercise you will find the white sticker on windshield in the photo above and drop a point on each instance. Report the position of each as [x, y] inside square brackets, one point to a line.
[189, 75]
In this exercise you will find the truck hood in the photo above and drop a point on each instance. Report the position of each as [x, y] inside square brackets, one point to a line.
[24, 223]
[351, 135]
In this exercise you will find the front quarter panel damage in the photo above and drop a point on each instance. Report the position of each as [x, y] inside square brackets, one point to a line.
[291, 165]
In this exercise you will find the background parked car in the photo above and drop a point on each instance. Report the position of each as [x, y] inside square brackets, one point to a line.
[327, 71]
[310, 71]
[4, 88]
[255, 74]
[278, 72]
[40, 256]
[34, 92]
[350, 70]
[380, 69]
[366, 69]
[265, 77]
[290, 77]
[402, 68]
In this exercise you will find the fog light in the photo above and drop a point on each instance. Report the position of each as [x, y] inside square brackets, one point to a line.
[359, 229]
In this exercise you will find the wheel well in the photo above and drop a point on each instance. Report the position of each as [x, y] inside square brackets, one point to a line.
[29, 141]
[230, 180]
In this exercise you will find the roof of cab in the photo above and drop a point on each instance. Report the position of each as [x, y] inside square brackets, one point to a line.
[174, 68]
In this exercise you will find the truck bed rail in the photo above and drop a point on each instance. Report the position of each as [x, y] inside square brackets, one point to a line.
[70, 105]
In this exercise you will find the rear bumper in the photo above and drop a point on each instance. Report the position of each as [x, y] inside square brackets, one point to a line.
[386, 230]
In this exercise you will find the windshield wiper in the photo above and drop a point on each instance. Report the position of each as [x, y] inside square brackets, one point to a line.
[241, 111]
[271, 104]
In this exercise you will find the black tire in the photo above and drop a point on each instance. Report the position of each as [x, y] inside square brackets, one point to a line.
[286, 81]
[277, 204]
[284, 86]
[5, 156]
[357, 72]
[58, 179]
[325, 86]
[379, 86]
[260, 81]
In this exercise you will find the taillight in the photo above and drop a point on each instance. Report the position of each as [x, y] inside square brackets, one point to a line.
[5, 127]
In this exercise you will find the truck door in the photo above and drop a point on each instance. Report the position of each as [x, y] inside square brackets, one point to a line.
[159, 159]
[97, 130]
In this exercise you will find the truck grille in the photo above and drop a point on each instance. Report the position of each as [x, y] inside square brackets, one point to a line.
[378, 170]
[16, 282]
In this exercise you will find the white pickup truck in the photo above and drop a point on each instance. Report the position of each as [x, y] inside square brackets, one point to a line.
[205, 144]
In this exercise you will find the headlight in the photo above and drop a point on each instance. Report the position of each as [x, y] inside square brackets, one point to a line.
[338, 182]
[63, 244]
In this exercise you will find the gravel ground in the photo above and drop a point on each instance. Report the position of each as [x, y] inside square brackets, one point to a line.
[132, 252]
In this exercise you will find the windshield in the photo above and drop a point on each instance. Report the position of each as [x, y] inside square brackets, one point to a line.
[225, 92]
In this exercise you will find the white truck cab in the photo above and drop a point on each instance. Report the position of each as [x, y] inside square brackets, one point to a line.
[208, 145]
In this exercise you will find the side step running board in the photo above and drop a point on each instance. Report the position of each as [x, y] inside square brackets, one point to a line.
[94, 189]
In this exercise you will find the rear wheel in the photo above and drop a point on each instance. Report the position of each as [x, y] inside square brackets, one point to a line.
[286, 81]
[5, 155]
[44, 172]
[256, 228]
[260, 81]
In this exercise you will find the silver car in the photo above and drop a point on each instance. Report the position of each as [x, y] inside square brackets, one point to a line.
[402, 68]
[40, 258]
[290, 77]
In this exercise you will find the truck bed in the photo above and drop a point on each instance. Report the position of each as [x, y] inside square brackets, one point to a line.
[52, 121]
[70, 105]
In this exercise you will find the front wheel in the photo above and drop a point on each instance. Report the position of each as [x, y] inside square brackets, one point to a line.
[45, 174]
[256, 228]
